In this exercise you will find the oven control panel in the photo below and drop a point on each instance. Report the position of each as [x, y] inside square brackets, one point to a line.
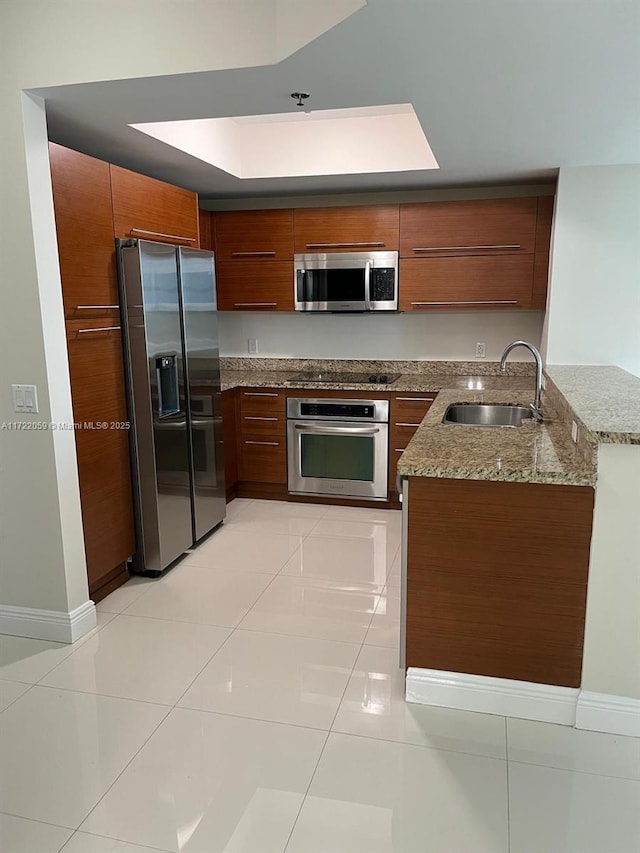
[376, 411]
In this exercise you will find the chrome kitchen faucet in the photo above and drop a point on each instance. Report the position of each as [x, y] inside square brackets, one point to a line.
[536, 406]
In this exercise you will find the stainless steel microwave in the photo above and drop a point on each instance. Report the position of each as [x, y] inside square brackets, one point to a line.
[346, 281]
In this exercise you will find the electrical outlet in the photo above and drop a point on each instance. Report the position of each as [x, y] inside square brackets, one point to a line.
[481, 349]
[25, 398]
[253, 346]
[574, 432]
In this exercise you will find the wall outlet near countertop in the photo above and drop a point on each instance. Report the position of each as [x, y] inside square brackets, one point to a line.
[252, 346]
[481, 349]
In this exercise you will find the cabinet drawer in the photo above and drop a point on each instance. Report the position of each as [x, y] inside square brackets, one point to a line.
[474, 283]
[254, 235]
[263, 401]
[263, 424]
[255, 285]
[410, 409]
[483, 226]
[230, 432]
[152, 210]
[400, 436]
[263, 459]
[346, 229]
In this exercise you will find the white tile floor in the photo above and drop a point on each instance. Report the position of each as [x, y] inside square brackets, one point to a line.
[249, 701]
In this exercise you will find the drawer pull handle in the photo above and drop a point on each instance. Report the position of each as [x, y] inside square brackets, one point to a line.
[407, 425]
[464, 248]
[101, 329]
[259, 394]
[400, 449]
[160, 234]
[254, 418]
[470, 302]
[250, 254]
[255, 304]
[341, 245]
[269, 443]
[96, 307]
[417, 399]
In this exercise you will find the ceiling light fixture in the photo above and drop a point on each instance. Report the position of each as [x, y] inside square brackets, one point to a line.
[301, 96]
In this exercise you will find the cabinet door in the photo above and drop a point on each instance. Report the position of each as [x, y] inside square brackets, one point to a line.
[473, 283]
[254, 235]
[84, 225]
[263, 459]
[98, 395]
[205, 218]
[254, 285]
[541, 256]
[346, 229]
[153, 210]
[483, 226]
[230, 430]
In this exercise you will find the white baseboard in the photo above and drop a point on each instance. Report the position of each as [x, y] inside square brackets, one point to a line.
[56, 625]
[488, 695]
[602, 712]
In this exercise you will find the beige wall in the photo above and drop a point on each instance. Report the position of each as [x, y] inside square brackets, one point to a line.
[612, 633]
[594, 298]
[70, 41]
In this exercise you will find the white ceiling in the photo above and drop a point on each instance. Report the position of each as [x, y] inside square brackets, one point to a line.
[506, 91]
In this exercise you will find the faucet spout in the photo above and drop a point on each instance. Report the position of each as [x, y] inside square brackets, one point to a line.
[536, 406]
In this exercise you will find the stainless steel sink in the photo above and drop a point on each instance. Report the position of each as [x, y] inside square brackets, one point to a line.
[486, 415]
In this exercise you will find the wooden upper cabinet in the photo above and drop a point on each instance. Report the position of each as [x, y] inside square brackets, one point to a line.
[541, 256]
[473, 283]
[483, 226]
[254, 285]
[206, 229]
[152, 210]
[346, 229]
[84, 225]
[253, 235]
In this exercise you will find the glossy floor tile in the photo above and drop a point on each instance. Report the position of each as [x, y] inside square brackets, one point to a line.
[272, 677]
[308, 608]
[374, 706]
[372, 796]
[235, 549]
[9, 692]
[385, 625]
[200, 594]
[341, 562]
[83, 842]
[558, 811]
[65, 749]
[250, 700]
[18, 835]
[153, 660]
[208, 782]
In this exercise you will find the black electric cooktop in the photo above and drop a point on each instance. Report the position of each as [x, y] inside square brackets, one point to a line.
[346, 378]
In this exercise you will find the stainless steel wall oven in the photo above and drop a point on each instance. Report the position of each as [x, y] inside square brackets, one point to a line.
[338, 447]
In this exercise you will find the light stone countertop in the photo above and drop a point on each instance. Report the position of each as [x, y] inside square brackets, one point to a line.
[605, 399]
[532, 453]
[407, 382]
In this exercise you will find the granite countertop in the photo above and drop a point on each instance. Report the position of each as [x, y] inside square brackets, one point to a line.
[532, 453]
[605, 399]
[415, 382]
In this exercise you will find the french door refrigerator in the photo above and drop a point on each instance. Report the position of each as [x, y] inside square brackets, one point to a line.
[170, 337]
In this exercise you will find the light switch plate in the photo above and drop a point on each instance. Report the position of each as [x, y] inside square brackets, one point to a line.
[25, 398]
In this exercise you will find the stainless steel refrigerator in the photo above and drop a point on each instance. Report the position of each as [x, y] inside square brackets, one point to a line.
[170, 336]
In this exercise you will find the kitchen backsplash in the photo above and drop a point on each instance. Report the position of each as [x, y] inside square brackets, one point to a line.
[441, 336]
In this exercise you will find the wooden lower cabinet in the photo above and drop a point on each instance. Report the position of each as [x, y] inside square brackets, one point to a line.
[262, 439]
[497, 578]
[230, 420]
[405, 416]
[102, 446]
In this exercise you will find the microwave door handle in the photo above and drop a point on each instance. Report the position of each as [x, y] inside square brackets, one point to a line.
[367, 286]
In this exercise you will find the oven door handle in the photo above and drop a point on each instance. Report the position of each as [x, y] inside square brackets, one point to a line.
[338, 430]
